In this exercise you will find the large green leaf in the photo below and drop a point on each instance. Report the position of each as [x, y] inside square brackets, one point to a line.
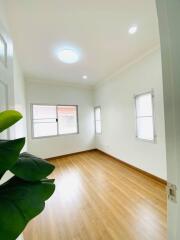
[31, 168]
[20, 201]
[9, 153]
[8, 118]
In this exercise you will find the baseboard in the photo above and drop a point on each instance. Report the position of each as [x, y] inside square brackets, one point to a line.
[69, 154]
[117, 159]
[135, 168]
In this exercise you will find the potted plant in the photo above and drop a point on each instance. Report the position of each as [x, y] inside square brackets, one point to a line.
[23, 196]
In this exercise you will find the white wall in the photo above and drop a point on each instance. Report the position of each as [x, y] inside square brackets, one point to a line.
[116, 98]
[44, 93]
[19, 100]
[3, 19]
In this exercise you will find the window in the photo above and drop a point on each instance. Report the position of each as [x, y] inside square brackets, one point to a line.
[97, 113]
[144, 116]
[52, 120]
[67, 119]
[44, 121]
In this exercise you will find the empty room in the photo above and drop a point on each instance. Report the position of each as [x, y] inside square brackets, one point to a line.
[89, 120]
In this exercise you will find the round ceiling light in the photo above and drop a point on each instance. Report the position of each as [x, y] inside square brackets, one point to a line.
[68, 56]
[84, 77]
[133, 29]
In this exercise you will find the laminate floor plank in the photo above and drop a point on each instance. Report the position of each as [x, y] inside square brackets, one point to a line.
[99, 198]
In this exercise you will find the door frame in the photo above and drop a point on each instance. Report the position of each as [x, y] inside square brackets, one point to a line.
[169, 17]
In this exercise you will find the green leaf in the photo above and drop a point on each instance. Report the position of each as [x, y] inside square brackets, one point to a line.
[8, 118]
[20, 201]
[9, 153]
[31, 168]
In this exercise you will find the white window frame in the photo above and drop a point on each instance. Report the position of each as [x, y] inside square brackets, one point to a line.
[3, 59]
[153, 118]
[97, 133]
[56, 105]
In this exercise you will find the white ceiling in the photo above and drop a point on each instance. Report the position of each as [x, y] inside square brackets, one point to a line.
[98, 28]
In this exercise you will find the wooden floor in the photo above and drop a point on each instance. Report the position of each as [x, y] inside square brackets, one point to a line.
[98, 198]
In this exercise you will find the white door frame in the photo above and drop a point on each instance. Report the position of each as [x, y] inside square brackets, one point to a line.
[169, 19]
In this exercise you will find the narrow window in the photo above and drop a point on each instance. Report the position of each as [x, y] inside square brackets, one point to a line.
[144, 117]
[97, 113]
[44, 121]
[67, 119]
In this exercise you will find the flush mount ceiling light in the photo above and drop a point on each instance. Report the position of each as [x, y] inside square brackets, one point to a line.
[133, 29]
[84, 77]
[68, 56]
